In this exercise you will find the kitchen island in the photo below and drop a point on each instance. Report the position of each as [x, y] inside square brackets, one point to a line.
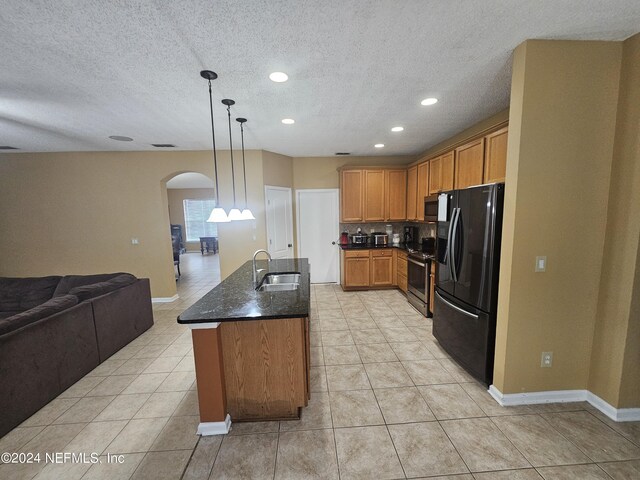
[251, 348]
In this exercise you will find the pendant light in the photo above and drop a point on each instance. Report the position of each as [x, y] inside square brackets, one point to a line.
[234, 213]
[218, 215]
[246, 213]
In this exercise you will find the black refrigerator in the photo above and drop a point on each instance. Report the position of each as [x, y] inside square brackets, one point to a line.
[468, 255]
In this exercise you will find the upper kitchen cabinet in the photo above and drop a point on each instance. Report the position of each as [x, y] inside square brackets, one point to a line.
[395, 186]
[469, 164]
[441, 170]
[412, 192]
[495, 161]
[352, 196]
[374, 201]
[423, 188]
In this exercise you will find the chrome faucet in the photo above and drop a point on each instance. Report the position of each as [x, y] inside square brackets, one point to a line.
[255, 271]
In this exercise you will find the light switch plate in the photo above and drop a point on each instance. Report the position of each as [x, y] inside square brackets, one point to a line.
[541, 264]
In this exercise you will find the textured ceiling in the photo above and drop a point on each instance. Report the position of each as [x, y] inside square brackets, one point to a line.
[74, 72]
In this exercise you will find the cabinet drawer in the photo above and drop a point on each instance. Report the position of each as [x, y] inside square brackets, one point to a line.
[356, 253]
[387, 252]
[402, 265]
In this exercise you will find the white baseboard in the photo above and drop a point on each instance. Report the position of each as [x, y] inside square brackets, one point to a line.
[564, 396]
[165, 299]
[215, 428]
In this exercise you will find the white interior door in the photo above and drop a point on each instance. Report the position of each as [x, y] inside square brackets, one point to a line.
[318, 226]
[279, 221]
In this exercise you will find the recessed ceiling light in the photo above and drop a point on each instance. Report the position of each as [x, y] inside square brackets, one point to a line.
[288, 121]
[397, 129]
[379, 145]
[279, 77]
[120, 138]
[429, 101]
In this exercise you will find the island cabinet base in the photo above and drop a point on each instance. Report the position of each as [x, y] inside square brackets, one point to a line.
[266, 368]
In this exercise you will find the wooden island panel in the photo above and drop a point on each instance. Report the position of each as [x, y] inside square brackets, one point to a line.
[266, 368]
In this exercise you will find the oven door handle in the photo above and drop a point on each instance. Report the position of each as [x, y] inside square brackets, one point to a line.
[417, 263]
[456, 308]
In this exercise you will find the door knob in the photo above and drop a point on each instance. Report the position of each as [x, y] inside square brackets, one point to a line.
[289, 245]
[333, 243]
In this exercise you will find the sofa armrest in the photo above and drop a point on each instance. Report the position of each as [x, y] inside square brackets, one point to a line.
[121, 316]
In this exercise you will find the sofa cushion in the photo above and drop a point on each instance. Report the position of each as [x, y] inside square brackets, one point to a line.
[72, 281]
[87, 292]
[50, 307]
[21, 294]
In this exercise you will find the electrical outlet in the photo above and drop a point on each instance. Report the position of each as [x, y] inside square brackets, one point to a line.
[541, 264]
[546, 360]
[135, 241]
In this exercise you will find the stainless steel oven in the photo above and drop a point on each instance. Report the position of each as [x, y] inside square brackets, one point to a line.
[418, 281]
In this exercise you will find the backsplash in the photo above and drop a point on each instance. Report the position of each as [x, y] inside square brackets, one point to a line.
[425, 229]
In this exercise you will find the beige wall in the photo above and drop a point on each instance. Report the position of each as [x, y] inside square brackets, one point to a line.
[615, 361]
[277, 169]
[562, 124]
[322, 172]
[176, 197]
[65, 213]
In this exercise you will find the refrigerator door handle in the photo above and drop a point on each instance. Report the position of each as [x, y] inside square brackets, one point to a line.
[452, 263]
[457, 308]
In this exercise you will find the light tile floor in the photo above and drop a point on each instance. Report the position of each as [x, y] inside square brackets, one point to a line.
[386, 403]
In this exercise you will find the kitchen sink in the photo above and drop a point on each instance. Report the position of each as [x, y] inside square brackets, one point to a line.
[278, 282]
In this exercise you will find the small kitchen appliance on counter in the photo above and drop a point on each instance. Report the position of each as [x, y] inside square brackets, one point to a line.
[380, 238]
[410, 235]
[359, 238]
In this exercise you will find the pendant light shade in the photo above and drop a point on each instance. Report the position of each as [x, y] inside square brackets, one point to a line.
[218, 215]
[246, 213]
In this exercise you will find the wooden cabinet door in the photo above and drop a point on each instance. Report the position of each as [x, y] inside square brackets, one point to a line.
[395, 186]
[495, 161]
[381, 270]
[470, 164]
[412, 192]
[356, 271]
[435, 175]
[373, 195]
[447, 171]
[423, 189]
[351, 196]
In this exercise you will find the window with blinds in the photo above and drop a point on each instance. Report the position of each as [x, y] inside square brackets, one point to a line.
[196, 213]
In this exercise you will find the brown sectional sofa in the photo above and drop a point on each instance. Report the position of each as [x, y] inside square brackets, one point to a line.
[54, 330]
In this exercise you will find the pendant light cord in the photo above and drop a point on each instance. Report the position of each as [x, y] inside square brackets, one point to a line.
[233, 176]
[244, 168]
[213, 140]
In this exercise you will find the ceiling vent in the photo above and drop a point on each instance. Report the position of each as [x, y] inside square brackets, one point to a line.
[7, 147]
[343, 153]
[163, 145]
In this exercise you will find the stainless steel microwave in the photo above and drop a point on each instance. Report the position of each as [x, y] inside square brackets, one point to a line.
[431, 208]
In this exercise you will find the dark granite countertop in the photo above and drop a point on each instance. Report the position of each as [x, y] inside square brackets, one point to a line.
[236, 298]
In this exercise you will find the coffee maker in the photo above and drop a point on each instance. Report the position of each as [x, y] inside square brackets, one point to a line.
[410, 236]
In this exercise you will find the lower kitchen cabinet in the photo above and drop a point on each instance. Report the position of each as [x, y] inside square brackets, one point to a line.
[381, 268]
[368, 268]
[401, 273]
[355, 271]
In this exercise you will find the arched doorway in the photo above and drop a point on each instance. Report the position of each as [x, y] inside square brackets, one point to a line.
[190, 197]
